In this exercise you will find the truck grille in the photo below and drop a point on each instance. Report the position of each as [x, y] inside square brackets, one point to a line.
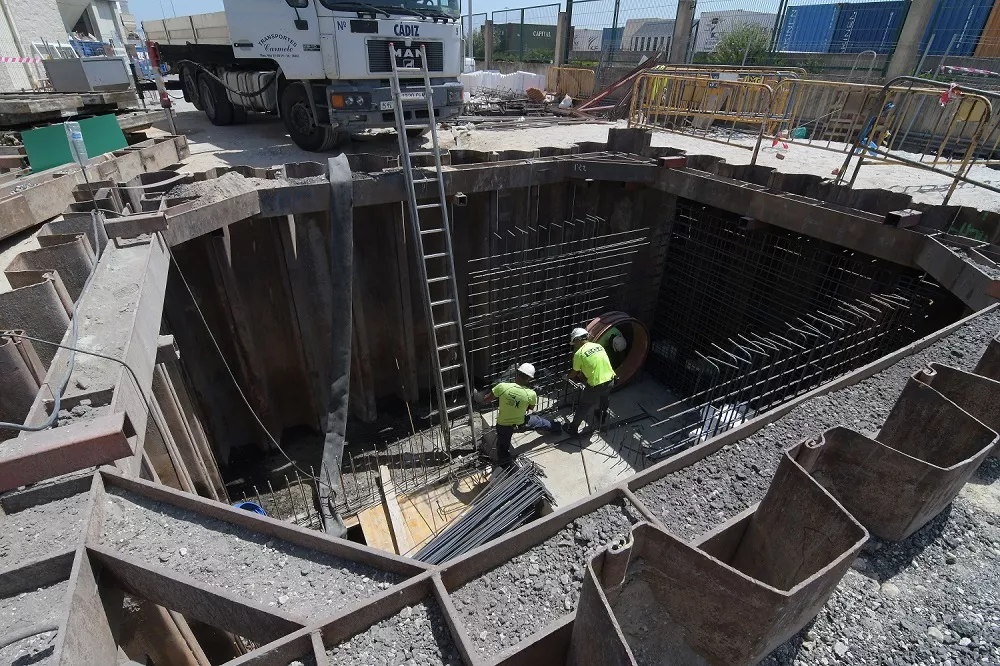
[378, 56]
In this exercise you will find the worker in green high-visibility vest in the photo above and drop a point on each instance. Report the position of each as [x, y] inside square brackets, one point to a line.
[615, 345]
[591, 364]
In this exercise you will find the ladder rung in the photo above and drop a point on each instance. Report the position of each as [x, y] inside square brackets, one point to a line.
[447, 300]
[447, 323]
[452, 389]
[430, 205]
[451, 367]
[408, 70]
[428, 232]
[420, 181]
[417, 126]
[451, 345]
[449, 410]
[436, 255]
[424, 153]
[437, 279]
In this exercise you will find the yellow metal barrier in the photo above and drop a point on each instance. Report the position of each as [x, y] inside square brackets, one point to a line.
[577, 82]
[703, 107]
[898, 124]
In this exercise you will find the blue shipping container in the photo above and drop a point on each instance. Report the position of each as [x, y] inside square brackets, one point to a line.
[808, 28]
[613, 38]
[958, 23]
[868, 26]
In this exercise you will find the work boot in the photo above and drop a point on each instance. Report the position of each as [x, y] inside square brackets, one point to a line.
[557, 427]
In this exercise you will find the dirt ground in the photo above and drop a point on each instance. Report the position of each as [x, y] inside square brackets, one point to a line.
[263, 142]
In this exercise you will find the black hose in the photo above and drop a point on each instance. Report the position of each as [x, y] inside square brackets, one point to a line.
[27, 632]
[257, 93]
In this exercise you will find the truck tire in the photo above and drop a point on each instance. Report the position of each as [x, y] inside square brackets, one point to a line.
[216, 105]
[302, 126]
[189, 81]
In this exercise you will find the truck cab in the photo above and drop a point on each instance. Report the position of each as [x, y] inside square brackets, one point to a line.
[323, 65]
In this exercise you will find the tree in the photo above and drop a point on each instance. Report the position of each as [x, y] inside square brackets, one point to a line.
[746, 43]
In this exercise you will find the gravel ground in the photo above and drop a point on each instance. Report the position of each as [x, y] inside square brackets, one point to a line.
[41, 531]
[28, 608]
[931, 599]
[263, 141]
[536, 588]
[34, 651]
[307, 661]
[230, 184]
[709, 492]
[248, 564]
[24, 610]
[416, 636]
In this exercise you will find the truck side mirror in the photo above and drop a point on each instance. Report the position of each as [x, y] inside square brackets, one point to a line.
[301, 24]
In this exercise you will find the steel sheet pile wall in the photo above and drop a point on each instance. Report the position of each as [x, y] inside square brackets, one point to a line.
[727, 596]
[750, 316]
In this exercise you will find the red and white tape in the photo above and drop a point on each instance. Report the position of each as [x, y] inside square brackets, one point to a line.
[15, 59]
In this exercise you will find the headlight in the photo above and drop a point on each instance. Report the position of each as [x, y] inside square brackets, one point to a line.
[349, 101]
[454, 95]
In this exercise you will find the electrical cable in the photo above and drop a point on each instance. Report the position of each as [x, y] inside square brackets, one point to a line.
[76, 350]
[75, 335]
[232, 376]
[27, 632]
[222, 83]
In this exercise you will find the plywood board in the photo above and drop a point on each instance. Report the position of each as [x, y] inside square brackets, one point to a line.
[427, 513]
[375, 526]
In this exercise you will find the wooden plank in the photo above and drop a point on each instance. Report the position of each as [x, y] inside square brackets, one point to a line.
[375, 526]
[428, 513]
[401, 535]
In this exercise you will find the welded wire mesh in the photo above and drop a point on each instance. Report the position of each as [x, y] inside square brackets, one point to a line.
[474, 31]
[525, 34]
[751, 317]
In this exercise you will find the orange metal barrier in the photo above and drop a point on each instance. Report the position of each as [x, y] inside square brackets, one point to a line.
[577, 82]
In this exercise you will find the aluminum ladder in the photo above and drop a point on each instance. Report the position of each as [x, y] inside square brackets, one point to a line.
[437, 265]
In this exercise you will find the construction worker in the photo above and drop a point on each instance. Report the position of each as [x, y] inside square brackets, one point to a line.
[590, 363]
[516, 400]
[615, 345]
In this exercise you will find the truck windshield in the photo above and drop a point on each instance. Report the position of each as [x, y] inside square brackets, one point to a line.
[439, 8]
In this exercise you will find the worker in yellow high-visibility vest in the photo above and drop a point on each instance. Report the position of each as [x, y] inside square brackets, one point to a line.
[516, 400]
[591, 364]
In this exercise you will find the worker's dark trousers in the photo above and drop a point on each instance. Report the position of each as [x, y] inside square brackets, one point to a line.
[594, 400]
[505, 433]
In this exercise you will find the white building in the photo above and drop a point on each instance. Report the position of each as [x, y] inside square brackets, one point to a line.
[587, 40]
[652, 36]
[713, 26]
[39, 28]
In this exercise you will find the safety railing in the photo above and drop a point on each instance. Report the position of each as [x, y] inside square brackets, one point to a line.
[908, 124]
[726, 111]
[916, 122]
[767, 75]
[951, 134]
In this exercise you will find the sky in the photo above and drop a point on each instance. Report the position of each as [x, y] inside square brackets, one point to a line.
[587, 13]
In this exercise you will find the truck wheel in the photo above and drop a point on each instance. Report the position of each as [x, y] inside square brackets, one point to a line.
[189, 80]
[218, 108]
[302, 126]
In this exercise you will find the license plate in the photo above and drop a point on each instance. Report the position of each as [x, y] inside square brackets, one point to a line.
[406, 97]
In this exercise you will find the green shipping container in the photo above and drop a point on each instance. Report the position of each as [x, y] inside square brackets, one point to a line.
[507, 37]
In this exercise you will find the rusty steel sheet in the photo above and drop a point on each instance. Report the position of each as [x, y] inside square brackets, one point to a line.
[42, 455]
[978, 395]
[921, 458]
[22, 373]
[729, 598]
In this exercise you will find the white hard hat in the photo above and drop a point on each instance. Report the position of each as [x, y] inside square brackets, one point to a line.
[527, 370]
[577, 334]
[619, 343]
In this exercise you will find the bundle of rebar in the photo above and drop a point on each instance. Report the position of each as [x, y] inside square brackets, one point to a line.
[512, 498]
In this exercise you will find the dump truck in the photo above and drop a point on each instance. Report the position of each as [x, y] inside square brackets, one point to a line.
[323, 66]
